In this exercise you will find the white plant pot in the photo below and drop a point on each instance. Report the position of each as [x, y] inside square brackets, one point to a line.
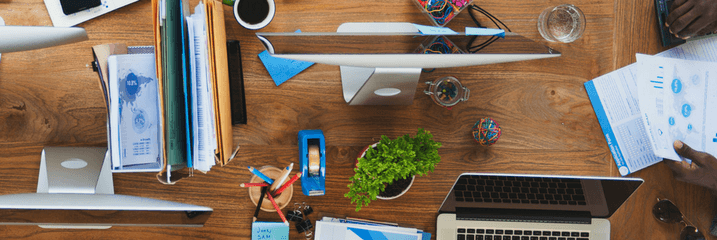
[413, 178]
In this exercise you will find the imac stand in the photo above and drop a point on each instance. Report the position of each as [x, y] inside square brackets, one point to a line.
[379, 86]
[83, 170]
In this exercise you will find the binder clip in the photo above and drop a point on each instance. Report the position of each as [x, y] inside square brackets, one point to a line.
[312, 152]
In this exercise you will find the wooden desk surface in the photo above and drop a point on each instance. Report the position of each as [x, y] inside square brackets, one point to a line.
[51, 97]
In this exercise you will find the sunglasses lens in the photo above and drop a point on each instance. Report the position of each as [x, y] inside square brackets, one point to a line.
[666, 211]
[691, 233]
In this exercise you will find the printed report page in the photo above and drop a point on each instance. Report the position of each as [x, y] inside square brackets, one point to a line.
[678, 98]
[614, 99]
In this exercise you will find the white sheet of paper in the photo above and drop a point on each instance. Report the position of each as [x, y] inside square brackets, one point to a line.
[134, 109]
[59, 19]
[618, 110]
[678, 99]
[205, 137]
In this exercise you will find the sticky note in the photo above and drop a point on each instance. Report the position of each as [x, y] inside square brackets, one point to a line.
[269, 231]
[471, 31]
[431, 30]
[281, 69]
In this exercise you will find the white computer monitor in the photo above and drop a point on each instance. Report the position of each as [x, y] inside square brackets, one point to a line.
[24, 38]
[75, 190]
[381, 62]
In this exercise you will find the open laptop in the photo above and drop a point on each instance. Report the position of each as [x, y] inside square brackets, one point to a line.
[489, 206]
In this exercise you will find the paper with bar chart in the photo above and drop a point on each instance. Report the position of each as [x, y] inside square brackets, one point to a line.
[678, 101]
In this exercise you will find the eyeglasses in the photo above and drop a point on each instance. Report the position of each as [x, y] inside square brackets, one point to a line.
[472, 47]
[667, 212]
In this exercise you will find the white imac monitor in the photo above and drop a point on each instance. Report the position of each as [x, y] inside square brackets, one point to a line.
[75, 190]
[23, 38]
[381, 62]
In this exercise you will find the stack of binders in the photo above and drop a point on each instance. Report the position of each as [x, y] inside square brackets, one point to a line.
[191, 56]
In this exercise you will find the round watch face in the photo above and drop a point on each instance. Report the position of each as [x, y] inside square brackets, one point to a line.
[447, 91]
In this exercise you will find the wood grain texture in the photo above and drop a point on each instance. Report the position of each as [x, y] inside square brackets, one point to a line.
[51, 97]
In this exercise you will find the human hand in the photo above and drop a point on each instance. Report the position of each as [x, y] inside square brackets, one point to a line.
[702, 171]
[689, 18]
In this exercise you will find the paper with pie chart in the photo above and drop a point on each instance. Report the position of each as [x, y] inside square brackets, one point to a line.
[678, 101]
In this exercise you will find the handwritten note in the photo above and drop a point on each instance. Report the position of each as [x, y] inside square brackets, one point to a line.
[282, 69]
[430, 30]
[269, 231]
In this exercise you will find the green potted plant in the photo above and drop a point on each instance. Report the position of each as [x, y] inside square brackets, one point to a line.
[391, 164]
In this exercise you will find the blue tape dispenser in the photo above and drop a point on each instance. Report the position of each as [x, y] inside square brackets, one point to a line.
[312, 152]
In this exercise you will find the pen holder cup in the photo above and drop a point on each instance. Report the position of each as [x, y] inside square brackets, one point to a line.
[255, 192]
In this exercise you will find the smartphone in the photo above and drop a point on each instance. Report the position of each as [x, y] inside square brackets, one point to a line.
[73, 6]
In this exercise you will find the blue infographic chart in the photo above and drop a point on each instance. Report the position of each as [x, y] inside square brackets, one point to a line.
[678, 99]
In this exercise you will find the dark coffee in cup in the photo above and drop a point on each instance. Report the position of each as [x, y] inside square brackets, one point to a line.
[253, 11]
[254, 14]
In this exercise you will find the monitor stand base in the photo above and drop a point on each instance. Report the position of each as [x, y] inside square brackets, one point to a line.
[379, 86]
[62, 171]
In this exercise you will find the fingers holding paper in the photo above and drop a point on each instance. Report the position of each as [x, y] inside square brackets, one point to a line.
[702, 171]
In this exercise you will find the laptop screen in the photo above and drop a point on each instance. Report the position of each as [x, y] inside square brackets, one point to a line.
[598, 196]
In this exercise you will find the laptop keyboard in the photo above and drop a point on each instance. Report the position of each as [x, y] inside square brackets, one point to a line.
[526, 190]
[514, 234]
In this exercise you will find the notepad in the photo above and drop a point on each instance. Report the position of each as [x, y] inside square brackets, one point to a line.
[281, 69]
[431, 30]
[269, 231]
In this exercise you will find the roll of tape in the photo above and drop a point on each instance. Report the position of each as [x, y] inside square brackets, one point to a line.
[314, 160]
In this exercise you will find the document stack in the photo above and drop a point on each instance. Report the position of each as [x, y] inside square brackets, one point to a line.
[360, 229]
[169, 105]
[191, 56]
[643, 107]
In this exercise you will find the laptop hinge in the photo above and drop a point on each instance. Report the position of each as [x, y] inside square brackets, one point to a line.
[523, 215]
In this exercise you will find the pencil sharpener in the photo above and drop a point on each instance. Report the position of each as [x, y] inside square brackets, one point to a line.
[312, 153]
[447, 91]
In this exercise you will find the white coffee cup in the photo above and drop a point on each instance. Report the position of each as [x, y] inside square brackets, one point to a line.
[254, 14]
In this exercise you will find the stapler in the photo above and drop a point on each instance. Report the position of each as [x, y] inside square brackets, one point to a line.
[312, 153]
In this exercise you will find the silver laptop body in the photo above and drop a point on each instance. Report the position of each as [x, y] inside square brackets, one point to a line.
[489, 206]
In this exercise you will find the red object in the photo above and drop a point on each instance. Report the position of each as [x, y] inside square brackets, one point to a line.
[278, 210]
[287, 184]
[254, 184]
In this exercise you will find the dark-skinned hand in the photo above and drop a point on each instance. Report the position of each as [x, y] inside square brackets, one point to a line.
[690, 18]
[702, 171]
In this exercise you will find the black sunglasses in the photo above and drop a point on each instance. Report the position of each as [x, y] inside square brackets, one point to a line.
[667, 212]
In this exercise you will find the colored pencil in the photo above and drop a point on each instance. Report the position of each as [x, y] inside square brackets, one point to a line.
[280, 180]
[261, 175]
[254, 184]
[278, 210]
[287, 184]
[258, 205]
